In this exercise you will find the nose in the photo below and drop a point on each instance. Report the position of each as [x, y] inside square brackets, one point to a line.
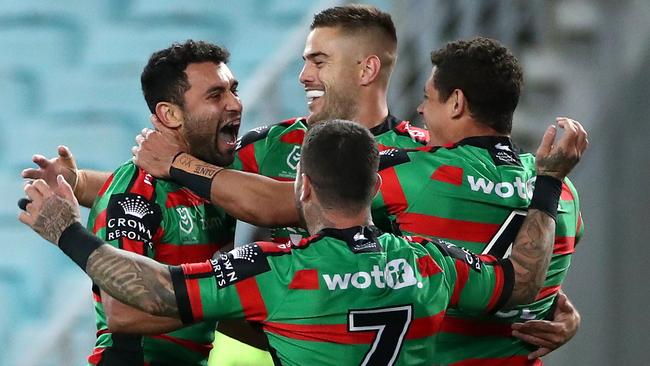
[421, 108]
[234, 103]
[306, 74]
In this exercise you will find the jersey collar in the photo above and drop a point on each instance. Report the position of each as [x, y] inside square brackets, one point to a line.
[360, 239]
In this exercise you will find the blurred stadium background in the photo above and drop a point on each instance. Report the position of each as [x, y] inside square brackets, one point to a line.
[69, 74]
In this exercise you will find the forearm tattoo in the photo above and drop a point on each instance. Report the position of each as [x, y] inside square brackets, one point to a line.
[55, 216]
[193, 165]
[134, 280]
[530, 256]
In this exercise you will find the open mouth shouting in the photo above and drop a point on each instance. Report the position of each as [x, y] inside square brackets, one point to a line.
[228, 133]
[312, 96]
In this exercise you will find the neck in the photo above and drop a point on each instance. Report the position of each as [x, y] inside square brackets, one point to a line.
[334, 220]
[373, 108]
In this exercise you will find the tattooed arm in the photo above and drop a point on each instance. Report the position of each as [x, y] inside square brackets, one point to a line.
[133, 279]
[532, 249]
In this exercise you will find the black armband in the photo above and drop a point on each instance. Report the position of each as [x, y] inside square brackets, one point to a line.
[546, 195]
[77, 243]
[193, 174]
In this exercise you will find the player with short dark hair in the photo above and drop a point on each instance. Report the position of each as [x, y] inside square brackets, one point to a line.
[190, 88]
[346, 295]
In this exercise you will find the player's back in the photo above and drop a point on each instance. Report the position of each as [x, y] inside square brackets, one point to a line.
[474, 193]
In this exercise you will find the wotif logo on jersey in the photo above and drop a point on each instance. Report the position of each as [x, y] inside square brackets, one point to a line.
[503, 189]
[397, 274]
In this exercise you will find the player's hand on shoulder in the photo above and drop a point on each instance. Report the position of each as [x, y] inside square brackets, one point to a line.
[557, 159]
[51, 208]
[156, 149]
[48, 169]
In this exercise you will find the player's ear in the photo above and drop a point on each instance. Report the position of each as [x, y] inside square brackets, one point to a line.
[305, 188]
[457, 103]
[169, 114]
[377, 185]
[371, 66]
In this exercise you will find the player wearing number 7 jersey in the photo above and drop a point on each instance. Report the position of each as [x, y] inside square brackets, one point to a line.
[347, 295]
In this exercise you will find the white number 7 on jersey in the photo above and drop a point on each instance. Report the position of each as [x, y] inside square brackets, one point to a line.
[391, 325]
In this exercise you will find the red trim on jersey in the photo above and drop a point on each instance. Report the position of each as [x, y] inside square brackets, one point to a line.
[96, 357]
[446, 228]
[183, 197]
[498, 287]
[425, 327]
[564, 245]
[305, 279]
[247, 156]
[97, 298]
[547, 291]
[283, 179]
[100, 221]
[416, 133]
[427, 266]
[272, 247]
[178, 254]
[132, 246]
[143, 185]
[338, 333]
[504, 361]
[566, 194]
[203, 349]
[251, 300]
[293, 137]
[197, 268]
[391, 190]
[579, 224]
[475, 328]
[105, 186]
[448, 174]
[194, 294]
[462, 274]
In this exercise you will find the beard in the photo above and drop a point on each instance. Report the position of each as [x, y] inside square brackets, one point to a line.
[342, 104]
[201, 135]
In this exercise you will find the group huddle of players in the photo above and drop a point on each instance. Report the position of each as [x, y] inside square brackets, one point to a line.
[346, 294]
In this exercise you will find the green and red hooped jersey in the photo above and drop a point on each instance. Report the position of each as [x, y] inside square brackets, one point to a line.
[475, 193]
[172, 225]
[274, 151]
[344, 296]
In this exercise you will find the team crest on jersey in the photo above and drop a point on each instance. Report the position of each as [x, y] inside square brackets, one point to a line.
[503, 154]
[133, 217]
[294, 157]
[238, 264]
[185, 220]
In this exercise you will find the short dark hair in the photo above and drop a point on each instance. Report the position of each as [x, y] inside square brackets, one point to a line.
[164, 79]
[341, 159]
[356, 17]
[487, 73]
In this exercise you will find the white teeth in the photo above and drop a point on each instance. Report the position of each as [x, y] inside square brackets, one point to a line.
[311, 94]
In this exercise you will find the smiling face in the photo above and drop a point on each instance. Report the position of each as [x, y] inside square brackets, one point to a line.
[330, 75]
[211, 112]
[435, 113]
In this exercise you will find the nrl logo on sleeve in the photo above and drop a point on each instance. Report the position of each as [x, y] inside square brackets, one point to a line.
[133, 217]
[239, 264]
[294, 157]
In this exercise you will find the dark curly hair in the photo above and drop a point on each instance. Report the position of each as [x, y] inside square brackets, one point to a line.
[487, 73]
[163, 78]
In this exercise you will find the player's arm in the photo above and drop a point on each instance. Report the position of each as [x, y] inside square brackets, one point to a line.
[533, 246]
[130, 278]
[248, 197]
[122, 318]
[86, 183]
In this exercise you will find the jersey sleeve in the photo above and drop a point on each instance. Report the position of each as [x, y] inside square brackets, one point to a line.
[251, 150]
[127, 216]
[477, 283]
[232, 285]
